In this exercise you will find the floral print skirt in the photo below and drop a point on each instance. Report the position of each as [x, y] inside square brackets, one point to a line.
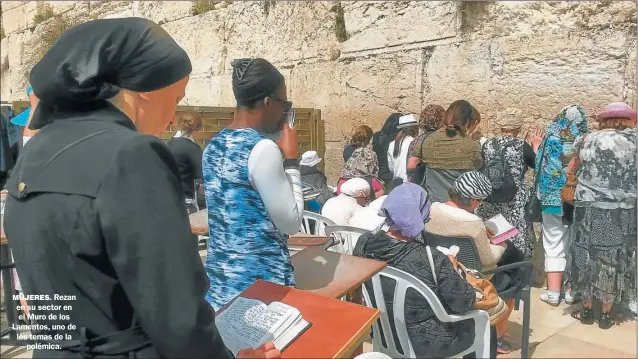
[603, 254]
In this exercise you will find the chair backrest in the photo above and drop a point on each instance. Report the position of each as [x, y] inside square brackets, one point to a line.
[373, 355]
[345, 238]
[403, 281]
[468, 254]
[313, 223]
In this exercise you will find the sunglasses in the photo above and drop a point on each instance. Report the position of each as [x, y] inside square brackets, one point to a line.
[287, 104]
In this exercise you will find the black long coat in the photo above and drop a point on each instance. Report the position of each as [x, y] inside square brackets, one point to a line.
[96, 212]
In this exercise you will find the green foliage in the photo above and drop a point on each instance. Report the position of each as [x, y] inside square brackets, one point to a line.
[2, 36]
[200, 7]
[340, 24]
[5, 65]
[43, 13]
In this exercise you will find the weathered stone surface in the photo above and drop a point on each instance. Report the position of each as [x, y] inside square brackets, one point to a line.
[398, 57]
[375, 25]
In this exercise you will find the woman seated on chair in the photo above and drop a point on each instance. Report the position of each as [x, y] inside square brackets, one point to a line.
[456, 218]
[355, 193]
[399, 243]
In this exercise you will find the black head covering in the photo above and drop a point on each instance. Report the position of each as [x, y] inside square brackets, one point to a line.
[91, 62]
[254, 79]
[389, 130]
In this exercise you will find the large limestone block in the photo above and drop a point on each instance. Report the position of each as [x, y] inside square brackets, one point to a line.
[290, 32]
[201, 37]
[376, 25]
[459, 71]
[542, 75]
[163, 11]
[516, 18]
[322, 86]
[18, 18]
[8, 5]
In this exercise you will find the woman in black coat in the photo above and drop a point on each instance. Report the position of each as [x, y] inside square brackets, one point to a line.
[400, 243]
[381, 142]
[95, 215]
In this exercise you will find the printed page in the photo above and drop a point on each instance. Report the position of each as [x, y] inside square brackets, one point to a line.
[249, 323]
[288, 315]
[498, 225]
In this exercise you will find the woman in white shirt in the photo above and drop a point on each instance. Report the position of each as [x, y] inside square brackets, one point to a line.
[399, 149]
[368, 217]
[355, 192]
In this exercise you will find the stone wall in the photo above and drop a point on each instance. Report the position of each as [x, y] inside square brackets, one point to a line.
[392, 56]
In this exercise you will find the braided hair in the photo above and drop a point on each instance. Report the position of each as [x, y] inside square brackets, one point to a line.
[253, 80]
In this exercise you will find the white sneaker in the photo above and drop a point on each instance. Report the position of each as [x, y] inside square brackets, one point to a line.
[569, 298]
[552, 300]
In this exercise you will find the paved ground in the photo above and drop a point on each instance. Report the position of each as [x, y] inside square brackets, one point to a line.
[553, 334]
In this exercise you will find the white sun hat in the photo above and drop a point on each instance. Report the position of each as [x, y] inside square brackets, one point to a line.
[310, 158]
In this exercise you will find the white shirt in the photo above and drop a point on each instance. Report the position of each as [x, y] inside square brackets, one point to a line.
[398, 165]
[340, 209]
[368, 217]
[279, 189]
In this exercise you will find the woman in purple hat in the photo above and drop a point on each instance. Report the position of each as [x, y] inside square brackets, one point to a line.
[604, 228]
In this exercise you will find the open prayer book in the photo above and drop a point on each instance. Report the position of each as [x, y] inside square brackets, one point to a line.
[249, 323]
[501, 229]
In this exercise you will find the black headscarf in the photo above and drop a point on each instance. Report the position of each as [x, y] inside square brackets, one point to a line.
[381, 143]
[91, 62]
[254, 79]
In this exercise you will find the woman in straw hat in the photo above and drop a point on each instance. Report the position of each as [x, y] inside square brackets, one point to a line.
[520, 156]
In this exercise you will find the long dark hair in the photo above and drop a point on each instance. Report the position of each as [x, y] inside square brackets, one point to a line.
[459, 117]
[398, 140]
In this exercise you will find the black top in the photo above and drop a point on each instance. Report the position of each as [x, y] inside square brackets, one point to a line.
[188, 155]
[528, 155]
[96, 210]
[430, 337]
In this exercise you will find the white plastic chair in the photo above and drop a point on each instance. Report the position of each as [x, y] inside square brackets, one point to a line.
[344, 238]
[481, 345]
[320, 223]
[373, 355]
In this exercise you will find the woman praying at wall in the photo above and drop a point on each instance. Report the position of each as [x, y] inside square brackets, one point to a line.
[555, 153]
[381, 142]
[449, 152]
[362, 163]
[430, 121]
[603, 253]
[399, 149]
[95, 208]
[519, 156]
[254, 197]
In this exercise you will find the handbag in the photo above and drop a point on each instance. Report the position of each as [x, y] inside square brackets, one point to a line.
[487, 298]
[569, 191]
[533, 205]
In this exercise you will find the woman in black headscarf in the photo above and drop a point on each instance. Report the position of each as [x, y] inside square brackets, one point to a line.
[381, 142]
[95, 210]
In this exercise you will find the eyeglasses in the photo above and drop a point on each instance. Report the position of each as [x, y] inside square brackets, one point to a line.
[287, 104]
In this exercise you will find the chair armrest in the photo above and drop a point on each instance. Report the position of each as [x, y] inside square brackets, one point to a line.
[472, 314]
[507, 267]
